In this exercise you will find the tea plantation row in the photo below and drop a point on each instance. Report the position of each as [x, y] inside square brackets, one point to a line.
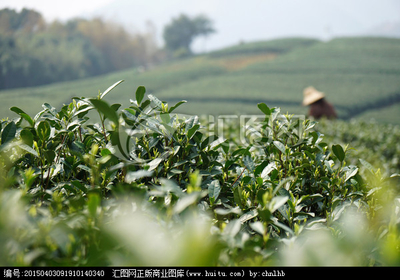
[146, 186]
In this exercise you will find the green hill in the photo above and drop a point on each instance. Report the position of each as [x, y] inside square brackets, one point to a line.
[360, 76]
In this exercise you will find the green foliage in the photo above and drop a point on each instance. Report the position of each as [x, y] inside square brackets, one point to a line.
[146, 186]
[371, 141]
[33, 52]
[180, 33]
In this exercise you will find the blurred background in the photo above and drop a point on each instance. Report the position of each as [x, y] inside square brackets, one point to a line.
[222, 56]
[235, 20]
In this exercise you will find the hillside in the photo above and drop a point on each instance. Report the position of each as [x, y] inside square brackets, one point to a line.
[358, 75]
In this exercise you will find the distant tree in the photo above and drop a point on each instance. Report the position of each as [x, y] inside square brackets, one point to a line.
[34, 52]
[180, 33]
[26, 21]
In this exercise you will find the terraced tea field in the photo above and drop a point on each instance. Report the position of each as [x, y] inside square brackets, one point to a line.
[360, 76]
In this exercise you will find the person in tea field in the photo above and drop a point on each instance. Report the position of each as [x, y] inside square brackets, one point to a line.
[319, 107]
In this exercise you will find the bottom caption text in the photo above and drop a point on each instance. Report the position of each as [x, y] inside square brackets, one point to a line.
[142, 273]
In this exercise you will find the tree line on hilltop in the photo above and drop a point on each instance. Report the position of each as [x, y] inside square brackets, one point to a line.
[35, 52]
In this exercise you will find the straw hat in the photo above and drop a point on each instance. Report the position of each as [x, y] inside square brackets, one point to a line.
[311, 95]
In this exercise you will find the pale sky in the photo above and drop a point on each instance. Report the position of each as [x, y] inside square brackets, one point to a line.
[60, 9]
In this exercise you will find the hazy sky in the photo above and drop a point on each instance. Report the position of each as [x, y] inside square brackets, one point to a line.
[234, 20]
[60, 9]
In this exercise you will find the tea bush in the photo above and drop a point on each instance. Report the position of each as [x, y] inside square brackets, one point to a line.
[372, 141]
[146, 186]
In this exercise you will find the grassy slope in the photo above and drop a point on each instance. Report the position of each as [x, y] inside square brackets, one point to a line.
[351, 71]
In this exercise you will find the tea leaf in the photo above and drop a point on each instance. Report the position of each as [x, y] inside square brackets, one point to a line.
[187, 201]
[214, 189]
[8, 133]
[50, 109]
[27, 137]
[277, 202]
[338, 151]
[28, 149]
[284, 227]
[157, 102]
[134, 175]
[23, 115]
[264, 108]
[176, 105]
[224, 212]
[350, 172]
[367, 165]
[249, 163]
[193, 120]
[43, 130]
[192, 130]
[248, 216]
[141, 90]
[165, 117]
[110, 89]
[232, 228]
[280, 146]
[154, 163]
[271, 166]
[258, 227]
[105, 109]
